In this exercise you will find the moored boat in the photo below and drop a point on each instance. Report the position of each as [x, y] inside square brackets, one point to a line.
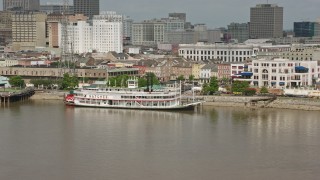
[166, 98]
[69, 99]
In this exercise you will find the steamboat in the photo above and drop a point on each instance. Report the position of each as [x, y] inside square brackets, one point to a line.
[132, 97]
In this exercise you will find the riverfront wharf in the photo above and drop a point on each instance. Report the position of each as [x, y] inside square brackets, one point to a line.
[7, 97]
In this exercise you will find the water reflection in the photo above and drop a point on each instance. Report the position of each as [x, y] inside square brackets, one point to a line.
[127, 114]
[271, 121]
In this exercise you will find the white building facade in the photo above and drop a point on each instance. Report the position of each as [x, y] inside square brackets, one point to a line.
[80, 36]
[208, 71]
[107, 36]
[284, 73]
[8, 62]
[301, 52]
[103, 35]
[223, 52]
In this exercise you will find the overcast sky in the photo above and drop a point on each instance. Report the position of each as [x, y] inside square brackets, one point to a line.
[214, 13]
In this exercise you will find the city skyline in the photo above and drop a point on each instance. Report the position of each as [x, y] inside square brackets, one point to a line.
[213, 13]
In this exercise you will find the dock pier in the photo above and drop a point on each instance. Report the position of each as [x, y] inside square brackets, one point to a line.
[8, 97]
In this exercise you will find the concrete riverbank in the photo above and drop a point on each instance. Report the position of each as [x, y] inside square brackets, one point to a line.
[49, 95]
[263, 102]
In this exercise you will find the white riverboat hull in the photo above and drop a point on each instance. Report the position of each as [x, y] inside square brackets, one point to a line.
[177, 107]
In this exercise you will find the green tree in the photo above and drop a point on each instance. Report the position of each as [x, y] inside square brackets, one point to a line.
[122, 80]
[69, 82]
[155, 80]
[85, 79]
[225, 81]
[191, 77]
[264, 90]
[205, 88]
[180, 78]
[142, 82]
[239, 86]
[212, 87]
[112, 82]
[250, 91]
[16, 81]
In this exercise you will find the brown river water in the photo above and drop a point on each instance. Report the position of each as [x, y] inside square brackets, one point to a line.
[45, 140]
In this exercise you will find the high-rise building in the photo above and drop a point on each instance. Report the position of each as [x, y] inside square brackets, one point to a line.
[80, 34]
[28, 30]
[173, 24]
[56, 8]
[148, 33]
[214, 35]
[102, 34]
[87, 7]
[181, 16]
[5, 28]
[239, 31]
[127, 29]
[53, 29]
[25, 5]
[107, 32]
[180, 37]
[303, 29]
[112, 16]
[317, 29]
[306, 29]
[266, 21]
[200, 33]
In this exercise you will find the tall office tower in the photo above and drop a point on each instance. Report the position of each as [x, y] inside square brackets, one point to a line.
[127, 30]
[28, 30]
[317, 29]
[55, 8]
[181, 16]
[306, 29]
[53, 29]
[149, 32]
[5, 28]
[26, 5]
[266, 21]
[200, 33]
[239, 31]
[107, 32]
[87, 7]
